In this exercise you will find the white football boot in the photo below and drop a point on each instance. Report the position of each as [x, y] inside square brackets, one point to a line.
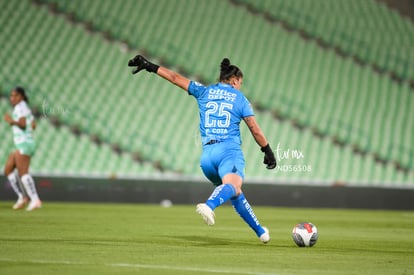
[265, 237]
[20, 203]
[206, 213]
[34, 204]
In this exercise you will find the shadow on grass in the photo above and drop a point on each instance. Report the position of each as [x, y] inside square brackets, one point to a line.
[211, 241]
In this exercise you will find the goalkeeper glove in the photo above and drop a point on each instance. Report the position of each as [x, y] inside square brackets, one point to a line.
[269, 158]
[141, 63]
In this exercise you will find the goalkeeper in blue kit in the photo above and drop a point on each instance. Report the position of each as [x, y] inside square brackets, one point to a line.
[221, 108]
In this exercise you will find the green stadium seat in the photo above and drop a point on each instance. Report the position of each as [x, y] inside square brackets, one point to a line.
[143, 114]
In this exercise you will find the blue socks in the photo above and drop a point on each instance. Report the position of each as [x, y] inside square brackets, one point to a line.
[225, 192]
[220, 195]
[242, 206]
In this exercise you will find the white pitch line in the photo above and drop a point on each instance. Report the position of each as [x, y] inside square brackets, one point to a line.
[144, 266]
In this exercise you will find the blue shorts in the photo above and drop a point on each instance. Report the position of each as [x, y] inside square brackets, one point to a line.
[220, 159]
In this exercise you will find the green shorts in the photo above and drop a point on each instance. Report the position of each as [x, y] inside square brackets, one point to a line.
[27, 148]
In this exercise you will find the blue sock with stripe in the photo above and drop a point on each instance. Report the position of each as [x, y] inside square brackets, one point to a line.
[242, 206]
[220, 195]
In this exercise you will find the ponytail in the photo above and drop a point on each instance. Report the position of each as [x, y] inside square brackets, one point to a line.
[227, 70]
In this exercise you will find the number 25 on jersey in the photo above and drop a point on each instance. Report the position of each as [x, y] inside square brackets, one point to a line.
[220, 112]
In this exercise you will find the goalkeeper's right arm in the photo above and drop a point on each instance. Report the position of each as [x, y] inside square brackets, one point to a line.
[141, 63]
[174, 78]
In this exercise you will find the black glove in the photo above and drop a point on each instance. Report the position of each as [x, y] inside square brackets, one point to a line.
[269, 158]
[141, 63]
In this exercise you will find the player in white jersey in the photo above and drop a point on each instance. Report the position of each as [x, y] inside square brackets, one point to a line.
[23, 124]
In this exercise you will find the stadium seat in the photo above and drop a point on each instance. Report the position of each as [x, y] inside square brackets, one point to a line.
[84, 80]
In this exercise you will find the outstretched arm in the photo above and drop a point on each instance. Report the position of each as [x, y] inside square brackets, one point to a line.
[140, 63]
[174, 78]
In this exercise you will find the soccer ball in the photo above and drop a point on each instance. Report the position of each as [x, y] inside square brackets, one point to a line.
[305, 234]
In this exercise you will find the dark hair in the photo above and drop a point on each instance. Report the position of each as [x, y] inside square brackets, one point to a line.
[22, 92]
[227, 70]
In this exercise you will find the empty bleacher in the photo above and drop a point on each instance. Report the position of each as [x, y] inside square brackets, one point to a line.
[72, 57]
[368, 30]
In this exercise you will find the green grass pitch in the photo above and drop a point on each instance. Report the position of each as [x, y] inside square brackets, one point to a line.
[82, 238]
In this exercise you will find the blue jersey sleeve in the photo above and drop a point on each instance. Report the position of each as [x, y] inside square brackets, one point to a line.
[196, 89]
[246, 108]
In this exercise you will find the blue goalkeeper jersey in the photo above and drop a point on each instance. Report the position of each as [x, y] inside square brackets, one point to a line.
[221, 109]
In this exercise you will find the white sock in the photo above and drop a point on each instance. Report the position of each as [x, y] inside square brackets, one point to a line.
[30, 186]
[20, 184]
[15, 185]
